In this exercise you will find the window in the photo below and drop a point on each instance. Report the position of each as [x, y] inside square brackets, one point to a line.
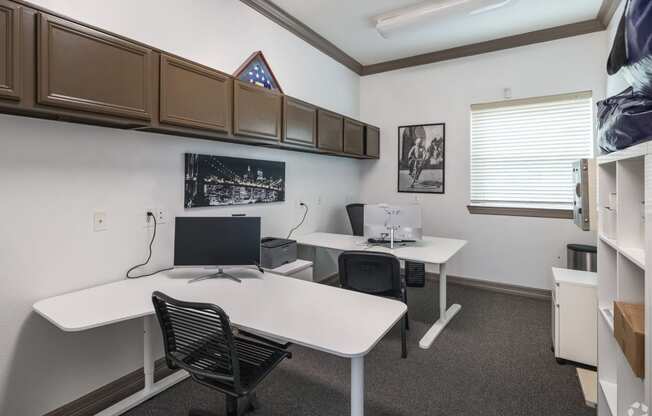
[522, 150]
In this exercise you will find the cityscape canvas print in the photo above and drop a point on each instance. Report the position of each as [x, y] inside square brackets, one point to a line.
[421, 158]
[213, 181]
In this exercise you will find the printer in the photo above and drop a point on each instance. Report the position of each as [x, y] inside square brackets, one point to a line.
[275, 252]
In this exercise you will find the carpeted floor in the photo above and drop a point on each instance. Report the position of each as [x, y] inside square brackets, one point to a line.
[493, 359]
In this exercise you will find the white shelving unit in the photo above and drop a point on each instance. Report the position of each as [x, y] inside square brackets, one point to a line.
[622, 271]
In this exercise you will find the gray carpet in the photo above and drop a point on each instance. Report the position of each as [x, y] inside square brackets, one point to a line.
[493, 359]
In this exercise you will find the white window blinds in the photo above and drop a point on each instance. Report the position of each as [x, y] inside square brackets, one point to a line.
[522, 150]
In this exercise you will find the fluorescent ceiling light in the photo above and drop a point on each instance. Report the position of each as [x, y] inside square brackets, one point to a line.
[392, 22]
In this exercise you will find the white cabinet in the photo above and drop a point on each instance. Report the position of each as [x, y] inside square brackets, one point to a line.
[574, 317]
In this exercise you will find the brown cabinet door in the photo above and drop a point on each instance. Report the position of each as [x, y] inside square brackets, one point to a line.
[373, 142]
[10, 57]
[300, 126]
[330, 131]
[257, 112]
[353, 137]
[84, 69]
[194, 96]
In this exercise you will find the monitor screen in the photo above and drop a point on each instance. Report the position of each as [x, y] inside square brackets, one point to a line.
[405, 220]
[217, 241]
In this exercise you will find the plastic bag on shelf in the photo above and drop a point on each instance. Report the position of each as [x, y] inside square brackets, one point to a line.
[632, 48]
[624, 120]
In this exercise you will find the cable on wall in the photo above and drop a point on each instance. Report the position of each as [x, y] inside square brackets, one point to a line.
[300, 223]
[149, 256]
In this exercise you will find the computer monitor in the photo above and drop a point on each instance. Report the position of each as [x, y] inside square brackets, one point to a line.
[405, 220]
[217, 241]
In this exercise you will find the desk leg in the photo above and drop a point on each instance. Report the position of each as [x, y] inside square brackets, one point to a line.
[148, 351]
[151, 388]
[444, 315]
[357, 386]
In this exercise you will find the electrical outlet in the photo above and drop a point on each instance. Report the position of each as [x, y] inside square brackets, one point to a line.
[161, 215]
[149, 221]
[100, 221]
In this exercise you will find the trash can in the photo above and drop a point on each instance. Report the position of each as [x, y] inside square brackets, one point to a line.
[582, 257]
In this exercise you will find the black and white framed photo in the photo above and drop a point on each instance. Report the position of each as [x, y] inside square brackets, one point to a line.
[421, 158]
[213, 181]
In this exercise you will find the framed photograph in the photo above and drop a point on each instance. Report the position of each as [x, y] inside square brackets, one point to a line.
[421, 158]
[213, 181]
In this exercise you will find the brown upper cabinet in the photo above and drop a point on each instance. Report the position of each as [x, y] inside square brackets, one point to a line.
[10, 57]
[300, 122]
[373, 142]
[353, 137]
[88, 70]
[330, 131]
[56, 68]
[194, 96]
[257, 112]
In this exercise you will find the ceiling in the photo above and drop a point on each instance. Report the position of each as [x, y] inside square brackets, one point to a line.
[349, 25]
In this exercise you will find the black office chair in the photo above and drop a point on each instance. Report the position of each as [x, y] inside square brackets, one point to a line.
[356, 217]
[415, 273]
[197, 338]
[376, 274]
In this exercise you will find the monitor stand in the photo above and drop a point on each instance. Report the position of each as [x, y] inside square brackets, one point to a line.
[220, 274]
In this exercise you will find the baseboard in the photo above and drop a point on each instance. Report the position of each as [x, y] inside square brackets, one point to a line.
[516, 290]
[504, 288]
[110, 394]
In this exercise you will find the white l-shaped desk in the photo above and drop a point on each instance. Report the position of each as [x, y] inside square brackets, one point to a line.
[430, 250]
[336, 321]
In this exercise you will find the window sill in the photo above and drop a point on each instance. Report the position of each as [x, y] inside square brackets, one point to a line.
[516, 211]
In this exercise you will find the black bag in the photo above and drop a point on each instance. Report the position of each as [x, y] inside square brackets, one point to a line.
[632, 48]
[624, 120]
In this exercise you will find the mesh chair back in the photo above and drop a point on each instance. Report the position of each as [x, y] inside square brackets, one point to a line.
[374, 273]
[356, 216]
[197, 337]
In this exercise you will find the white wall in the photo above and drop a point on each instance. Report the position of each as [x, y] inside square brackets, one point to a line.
[53, 175]
[504, 249]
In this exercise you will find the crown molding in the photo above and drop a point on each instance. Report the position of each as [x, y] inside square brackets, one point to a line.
[284, 19]
[530, 38]
[270, 10]
[607, 11]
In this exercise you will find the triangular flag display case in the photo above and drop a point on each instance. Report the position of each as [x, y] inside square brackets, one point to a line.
[255, 70]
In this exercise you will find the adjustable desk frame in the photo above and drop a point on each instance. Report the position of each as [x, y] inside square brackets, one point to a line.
[151, 388]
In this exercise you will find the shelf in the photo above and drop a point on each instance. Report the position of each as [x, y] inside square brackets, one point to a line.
[629, 153]
[607, 313]
[635, 255]
[609, 241]
[610, 391]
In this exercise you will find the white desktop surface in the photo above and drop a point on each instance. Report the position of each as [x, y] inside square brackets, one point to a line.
[429, 250]
[432, 250]
[325, 318]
